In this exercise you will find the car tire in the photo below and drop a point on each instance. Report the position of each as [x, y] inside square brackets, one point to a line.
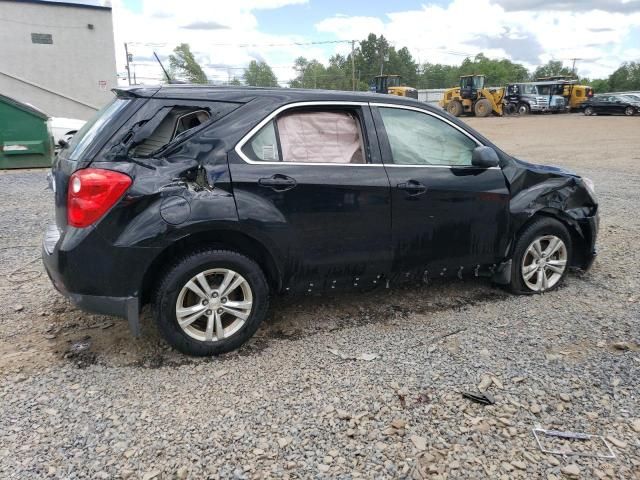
[629, 111]
[454, 108]
[534, 273]
[588, 111]
[524, 109]
[482, 108]
[219, 328]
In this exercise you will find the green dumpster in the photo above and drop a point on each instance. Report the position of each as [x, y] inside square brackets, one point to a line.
[25, 139]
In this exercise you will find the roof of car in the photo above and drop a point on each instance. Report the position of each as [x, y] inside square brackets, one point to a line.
[245, 94]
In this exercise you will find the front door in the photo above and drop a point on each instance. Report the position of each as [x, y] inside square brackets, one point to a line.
[310, 180]
[448, 217]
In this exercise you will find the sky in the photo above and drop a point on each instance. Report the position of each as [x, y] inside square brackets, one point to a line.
[226, 35]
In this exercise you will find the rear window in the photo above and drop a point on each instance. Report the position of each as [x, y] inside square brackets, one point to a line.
[85, 136]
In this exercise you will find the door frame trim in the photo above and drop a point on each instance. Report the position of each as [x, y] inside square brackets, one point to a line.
[272, 115]
[441, 118]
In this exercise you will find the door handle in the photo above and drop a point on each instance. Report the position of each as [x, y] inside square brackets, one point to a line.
[412, 187]
[278, 182]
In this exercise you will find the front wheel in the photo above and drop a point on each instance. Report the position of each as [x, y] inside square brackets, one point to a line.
[482, 108]
[588, 111]
[211, 302]
[541, 257]
[524, 109]
[454, 108]
[629, 111]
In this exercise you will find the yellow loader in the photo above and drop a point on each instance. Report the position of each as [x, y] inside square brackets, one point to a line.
[473, 98]
[392, 85]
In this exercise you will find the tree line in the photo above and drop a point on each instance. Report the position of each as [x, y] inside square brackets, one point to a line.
[374, 55]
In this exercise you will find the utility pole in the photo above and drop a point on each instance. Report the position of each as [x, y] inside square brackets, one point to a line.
[353, 66]
[573, 68]
[135, 81]
[126, 51]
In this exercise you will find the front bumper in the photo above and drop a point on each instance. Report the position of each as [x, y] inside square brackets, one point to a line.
[589, 226]
[127, 307]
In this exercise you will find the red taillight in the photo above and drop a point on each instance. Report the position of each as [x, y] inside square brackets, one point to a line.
[91, 192]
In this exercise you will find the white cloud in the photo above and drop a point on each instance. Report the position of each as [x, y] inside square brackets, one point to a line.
[445, 34]
[212, 33]
[433, 33]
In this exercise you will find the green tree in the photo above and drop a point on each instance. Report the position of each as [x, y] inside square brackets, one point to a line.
[626, 77]
[600, 85]
[553, 68]
[436, 75]
[259, 74]
[375, 55]
[236, 82]
[183, 63]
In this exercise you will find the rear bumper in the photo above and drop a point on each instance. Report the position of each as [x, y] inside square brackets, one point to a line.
[64, 278]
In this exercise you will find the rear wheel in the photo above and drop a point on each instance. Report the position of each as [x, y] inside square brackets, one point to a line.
[541, 257]
[454, 108]
[588, 111]
[482, 108]
[524, 109]
[629, 111]
[211, 302]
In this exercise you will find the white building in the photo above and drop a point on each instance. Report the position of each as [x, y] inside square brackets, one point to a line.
[58, 56]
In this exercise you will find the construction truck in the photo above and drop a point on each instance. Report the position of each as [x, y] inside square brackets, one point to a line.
[392, 85]
[542, 96]
[473, 98]
[574, 94]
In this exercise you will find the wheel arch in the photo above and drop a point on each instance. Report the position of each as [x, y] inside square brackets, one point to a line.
[579, 244]
[218, 239]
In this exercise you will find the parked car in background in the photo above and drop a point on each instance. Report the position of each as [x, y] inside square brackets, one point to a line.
[64, 128]
[632, 97]
[206, 201]
[611, 105]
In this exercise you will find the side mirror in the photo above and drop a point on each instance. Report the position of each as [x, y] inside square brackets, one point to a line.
[484, 157]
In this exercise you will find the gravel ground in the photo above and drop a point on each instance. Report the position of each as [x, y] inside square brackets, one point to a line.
[80, 398]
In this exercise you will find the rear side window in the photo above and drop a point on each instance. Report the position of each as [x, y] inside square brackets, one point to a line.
[309, 137]
[87, 134]
[161, 124]
[177, 121]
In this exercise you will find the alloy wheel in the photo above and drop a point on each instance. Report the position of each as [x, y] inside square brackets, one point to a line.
[629, 111]
[544, 263]
[214, 305]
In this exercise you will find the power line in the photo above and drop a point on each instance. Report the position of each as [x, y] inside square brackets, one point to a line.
[246, 45]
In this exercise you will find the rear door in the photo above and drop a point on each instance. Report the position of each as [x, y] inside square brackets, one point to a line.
[448, 217]
[310, 180]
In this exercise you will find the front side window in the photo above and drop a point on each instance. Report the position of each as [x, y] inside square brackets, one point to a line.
[417, 138]
[309, 137]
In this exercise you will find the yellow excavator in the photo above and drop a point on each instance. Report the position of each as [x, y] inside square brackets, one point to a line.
[392, 85]
[473, 98]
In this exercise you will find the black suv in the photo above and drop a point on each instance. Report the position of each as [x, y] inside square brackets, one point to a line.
[205, 201]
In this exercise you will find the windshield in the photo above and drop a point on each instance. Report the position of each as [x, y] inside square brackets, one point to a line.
[394, 82]
[85, 136]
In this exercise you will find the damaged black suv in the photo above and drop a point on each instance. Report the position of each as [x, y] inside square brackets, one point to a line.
[205, 201]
